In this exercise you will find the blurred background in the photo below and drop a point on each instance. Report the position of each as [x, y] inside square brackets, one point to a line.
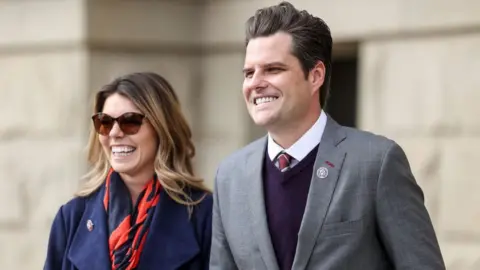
[405, 69]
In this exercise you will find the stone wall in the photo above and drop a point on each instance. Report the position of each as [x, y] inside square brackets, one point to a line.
[418, 85]
[43, 73]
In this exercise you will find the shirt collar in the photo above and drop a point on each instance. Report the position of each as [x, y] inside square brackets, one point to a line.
[300, 149]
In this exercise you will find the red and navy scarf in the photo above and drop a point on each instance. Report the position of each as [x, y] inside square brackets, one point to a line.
[128, 224]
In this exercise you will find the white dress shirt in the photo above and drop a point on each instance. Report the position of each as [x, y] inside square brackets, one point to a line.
[300, 149]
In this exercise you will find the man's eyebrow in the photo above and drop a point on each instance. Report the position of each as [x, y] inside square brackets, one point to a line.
[276, 64]
[244, 70]
[268, 65]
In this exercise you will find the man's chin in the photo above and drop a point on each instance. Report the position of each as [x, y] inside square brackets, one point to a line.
[263, 121]
[264, 118]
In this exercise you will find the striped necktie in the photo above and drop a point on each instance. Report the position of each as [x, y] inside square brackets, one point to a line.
[283, 161]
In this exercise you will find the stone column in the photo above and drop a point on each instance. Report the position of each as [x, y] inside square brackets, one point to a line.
[224, 124]
[42, 133]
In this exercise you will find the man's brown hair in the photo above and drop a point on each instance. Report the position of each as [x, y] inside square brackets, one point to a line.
[312, 41]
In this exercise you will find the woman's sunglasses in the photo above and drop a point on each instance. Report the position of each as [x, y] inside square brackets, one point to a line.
[129, 123]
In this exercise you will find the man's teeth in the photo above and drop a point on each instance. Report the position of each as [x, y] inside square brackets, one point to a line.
[264, 100]
[122, 150]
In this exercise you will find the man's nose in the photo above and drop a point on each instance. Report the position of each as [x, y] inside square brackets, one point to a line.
[257, 82]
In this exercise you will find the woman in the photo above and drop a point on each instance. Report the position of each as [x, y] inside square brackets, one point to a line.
[141, 206]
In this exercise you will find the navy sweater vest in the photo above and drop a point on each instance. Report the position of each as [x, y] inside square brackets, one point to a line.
[285, 199]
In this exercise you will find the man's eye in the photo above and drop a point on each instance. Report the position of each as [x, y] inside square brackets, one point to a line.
[274, 70]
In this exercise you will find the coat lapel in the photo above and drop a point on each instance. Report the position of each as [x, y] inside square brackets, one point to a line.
[253, 167]
[89, 248]
[326, 171]
[171, 240]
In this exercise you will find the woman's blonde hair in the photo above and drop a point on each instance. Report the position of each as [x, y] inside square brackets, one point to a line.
[155, 97]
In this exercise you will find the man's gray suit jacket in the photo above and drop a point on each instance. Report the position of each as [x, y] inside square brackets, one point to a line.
[364, 210]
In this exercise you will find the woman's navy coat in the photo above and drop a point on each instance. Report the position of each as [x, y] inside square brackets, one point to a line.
[173, 242]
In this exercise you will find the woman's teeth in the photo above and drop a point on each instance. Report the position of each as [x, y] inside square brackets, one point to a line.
[122, 150]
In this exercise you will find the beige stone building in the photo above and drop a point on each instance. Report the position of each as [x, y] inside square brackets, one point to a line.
[405, 69]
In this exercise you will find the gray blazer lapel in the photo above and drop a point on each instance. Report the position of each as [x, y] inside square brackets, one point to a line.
[258, 218]
[325, 174]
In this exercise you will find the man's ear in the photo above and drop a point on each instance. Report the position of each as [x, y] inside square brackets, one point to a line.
[317, 75]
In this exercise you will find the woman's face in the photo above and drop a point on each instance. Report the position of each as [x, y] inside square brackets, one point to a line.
[128, 154]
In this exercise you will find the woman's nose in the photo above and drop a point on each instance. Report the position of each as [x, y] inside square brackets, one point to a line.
[116, 130]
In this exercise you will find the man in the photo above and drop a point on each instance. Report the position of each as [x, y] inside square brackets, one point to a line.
[312, 194]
